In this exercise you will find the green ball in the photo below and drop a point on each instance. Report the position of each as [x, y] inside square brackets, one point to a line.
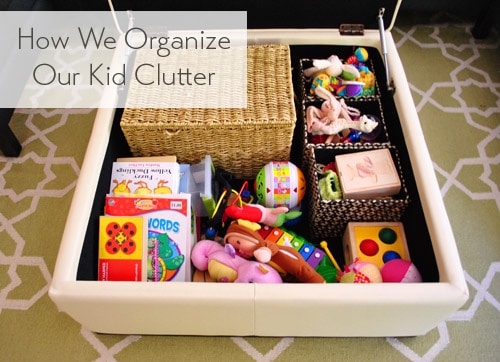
[388, 236]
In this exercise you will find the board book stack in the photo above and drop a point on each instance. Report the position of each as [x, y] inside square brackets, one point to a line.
[145, 176]
[163, 215]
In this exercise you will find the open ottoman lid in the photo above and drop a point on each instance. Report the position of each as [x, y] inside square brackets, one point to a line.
[266, 14]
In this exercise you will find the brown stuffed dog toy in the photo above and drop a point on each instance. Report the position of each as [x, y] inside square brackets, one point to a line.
[249, 244]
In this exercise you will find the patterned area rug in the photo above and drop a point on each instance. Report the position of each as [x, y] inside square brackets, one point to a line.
[456, 88]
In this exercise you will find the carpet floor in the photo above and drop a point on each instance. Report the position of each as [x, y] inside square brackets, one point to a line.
[455, 83]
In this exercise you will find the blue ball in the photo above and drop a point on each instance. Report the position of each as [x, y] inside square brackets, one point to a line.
[390, 255]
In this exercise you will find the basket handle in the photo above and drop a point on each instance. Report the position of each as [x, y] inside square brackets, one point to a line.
[171, 133]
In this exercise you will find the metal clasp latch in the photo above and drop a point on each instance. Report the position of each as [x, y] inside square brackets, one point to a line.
[352, 29]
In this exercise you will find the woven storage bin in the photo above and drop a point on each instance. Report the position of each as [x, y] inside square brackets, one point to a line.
[369, 105]
[329, 218]
[305, 84]
[240, 140]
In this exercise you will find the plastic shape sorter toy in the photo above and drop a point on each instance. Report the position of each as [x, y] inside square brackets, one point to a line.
[375, 242]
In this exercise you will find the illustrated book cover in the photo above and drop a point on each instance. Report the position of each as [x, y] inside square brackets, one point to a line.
[167, 219]
[144, 178]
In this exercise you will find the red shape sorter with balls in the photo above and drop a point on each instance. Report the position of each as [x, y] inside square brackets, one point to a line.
[375, 242]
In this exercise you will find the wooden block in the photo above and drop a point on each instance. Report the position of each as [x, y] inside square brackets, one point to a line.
[375, 242]
[368, 174]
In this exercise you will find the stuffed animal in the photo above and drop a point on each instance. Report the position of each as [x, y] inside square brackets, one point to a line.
[263, 215]
[223, 265]
[331, 66]
[335, 116]
[249, 244]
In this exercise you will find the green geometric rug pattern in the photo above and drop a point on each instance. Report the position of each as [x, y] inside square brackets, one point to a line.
[455, 82]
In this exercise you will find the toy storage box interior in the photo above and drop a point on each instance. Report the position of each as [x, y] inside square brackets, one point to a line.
[332, 309]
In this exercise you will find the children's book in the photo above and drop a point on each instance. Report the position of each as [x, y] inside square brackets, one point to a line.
[171, 158]
[144, 178]
[122, 246]
[167, 219]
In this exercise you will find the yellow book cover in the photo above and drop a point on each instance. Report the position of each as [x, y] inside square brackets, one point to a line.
[121, 248]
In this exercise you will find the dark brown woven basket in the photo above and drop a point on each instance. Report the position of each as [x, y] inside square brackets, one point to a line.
[329, 218]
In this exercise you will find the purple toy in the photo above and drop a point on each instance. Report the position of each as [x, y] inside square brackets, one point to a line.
[223, 265]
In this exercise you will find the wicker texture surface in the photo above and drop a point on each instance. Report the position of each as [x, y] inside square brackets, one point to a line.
[240, 140]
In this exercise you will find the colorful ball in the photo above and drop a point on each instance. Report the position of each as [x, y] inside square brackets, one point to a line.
[369, 272]
[387, 235]
[280, 184]
[361, 54]
[321, 80]
[400, 271]
[360, 272]
[390, 255]
[368, 247]
[368, 79]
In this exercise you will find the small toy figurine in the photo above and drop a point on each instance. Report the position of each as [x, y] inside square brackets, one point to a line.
[249, 244]
[335, 116]
[262, 215]
[223, 265]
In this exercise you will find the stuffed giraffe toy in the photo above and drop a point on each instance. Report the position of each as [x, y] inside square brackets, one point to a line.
[335, 116]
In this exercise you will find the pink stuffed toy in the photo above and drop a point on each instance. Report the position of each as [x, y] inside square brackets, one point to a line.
[223, 265]
[335, 116]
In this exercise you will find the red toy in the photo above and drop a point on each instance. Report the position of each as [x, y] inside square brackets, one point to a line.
[262, 215]
[400, 271]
